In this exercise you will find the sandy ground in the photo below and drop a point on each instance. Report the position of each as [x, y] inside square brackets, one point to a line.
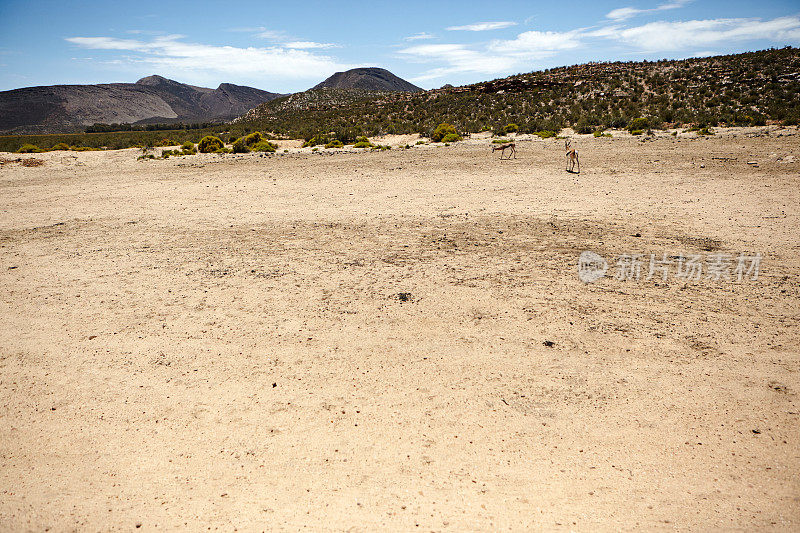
[399, 340]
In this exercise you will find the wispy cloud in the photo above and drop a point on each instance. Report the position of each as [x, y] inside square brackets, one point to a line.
[457, 58]
[144, 32]
[482, 26]
[273, 35]
[537, 44]
[170, 53]
[624, 13]
[692, 34]
[494, 58]
[502, 56]
[420, 36]
[308, 45]
[262, 32]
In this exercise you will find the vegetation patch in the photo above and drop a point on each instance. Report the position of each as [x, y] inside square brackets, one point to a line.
[443, 131]
[210, 144]
[29, 149]
[264, 146]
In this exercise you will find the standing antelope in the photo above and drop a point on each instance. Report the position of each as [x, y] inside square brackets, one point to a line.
[572, 157]
[510, 146]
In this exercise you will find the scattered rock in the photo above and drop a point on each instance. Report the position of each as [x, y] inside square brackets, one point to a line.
[549, 344]
[404, 296]
[92, 337]
[757, 431]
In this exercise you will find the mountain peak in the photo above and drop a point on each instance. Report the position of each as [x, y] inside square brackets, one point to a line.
[155, 79]
[369, 78]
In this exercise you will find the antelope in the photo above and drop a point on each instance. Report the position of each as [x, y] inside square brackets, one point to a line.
[510, 146]
[572, 157]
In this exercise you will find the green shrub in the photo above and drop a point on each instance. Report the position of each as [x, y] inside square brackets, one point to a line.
[363, 142]
[420, 142]
[264, 146]
[29, 149]
[210, 144]
[511, 128]
[640, 123]
[600, 133]
[705, 131]
[60, 146]
[317, 140]
[315, 149]
[83, 149]
[546, 134]
[451, 138]
[239, 146]
[253, 139]
[583, 126]
[188, 145]
[637, 132]
[442, 130]
[500, 141]
[223, 150]
[335, 144]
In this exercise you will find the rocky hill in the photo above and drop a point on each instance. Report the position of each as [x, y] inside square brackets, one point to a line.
[752, 88]
[369, 79]
[154, 99]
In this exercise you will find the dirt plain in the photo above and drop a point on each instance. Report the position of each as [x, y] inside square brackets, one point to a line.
[399, 340]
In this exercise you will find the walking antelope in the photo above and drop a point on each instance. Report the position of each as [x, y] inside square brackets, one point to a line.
[503, 147]
[572, 157]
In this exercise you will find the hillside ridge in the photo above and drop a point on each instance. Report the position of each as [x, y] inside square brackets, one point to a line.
[71, 108]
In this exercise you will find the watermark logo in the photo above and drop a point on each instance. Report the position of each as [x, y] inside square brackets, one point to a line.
[691, 267]
[591, 267]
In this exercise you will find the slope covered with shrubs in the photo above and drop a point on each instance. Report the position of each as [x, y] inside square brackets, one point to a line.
[747, 89]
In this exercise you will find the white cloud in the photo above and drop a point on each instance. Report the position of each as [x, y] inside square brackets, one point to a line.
[536, 44]
[502, 56]
[420, 36]
[624, 13]
[482, 26]
[457, 58]
[169, 54]
[671, 36]
[272, 35]
[495, 58]
[307, 45]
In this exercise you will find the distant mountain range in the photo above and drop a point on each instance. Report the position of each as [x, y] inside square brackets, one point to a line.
[369, 79]
[155, 100]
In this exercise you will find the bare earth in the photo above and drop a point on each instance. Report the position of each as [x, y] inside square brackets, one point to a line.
[400, 340]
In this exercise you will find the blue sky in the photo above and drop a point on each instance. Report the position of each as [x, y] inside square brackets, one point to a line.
[281, 48]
